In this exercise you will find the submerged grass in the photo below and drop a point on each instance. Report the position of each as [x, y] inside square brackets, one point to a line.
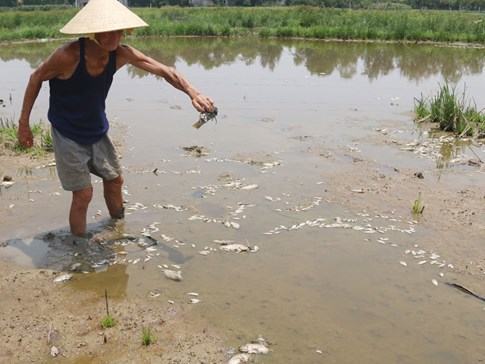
[418, 207]
[299, 21]
[8, 138]
[452, 111]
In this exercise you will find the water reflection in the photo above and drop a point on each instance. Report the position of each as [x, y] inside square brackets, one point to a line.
[348, 60]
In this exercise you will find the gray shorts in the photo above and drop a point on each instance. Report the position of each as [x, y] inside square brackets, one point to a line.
[75, 162]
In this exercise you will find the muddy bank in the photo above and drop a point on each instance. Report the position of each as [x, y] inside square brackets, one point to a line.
[38, 314]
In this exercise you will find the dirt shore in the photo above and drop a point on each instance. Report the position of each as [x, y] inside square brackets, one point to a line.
[38, 314]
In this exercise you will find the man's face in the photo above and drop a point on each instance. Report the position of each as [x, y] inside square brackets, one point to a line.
[109, 41]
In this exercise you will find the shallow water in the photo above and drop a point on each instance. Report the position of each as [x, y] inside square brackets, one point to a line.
[332, 289]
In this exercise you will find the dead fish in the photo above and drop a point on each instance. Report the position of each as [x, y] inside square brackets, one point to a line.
[173, 275]
[234, 248]
[194, 300]
[7, 184]
[254, 349]
[54, 351]
[250, 187]
[63, 278]
[75, 266]
[205, 117]
[239, 358]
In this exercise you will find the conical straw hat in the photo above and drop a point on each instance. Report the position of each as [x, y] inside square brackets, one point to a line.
[102, 16]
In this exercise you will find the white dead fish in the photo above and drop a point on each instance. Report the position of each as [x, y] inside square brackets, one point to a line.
[249, 187]
[404, 264]
[254, 349]
[235, 225]
[7, 184]
[54, 351]
[75, 266]
[173, 275]
[194, 300]
[239, 358]
[63, 278]
[234, 248]
[204, 252]
[435, 282]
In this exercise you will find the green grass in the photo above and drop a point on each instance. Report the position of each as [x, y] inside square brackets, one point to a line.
[418, 207]
[147, 337]
[8, 138]
[298, 21]
[452, 111]
[107, 322]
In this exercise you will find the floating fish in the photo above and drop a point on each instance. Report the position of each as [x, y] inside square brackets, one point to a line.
[254, 349]
[239, 358]
[63, 278]
[173, 275]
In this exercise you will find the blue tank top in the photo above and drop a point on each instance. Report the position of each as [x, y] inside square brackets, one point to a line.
[77, 105]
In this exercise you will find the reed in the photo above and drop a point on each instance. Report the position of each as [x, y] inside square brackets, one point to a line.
[297, 21]
[8, 138]
[452, 111]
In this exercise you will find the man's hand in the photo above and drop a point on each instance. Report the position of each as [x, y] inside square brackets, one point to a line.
[203, 103]
[24, 135]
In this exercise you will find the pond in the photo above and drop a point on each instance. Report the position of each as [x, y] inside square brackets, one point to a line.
[332, 281]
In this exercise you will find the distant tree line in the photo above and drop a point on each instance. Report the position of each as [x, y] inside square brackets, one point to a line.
[474, 5]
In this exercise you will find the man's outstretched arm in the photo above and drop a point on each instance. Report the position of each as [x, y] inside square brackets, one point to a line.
[130, 55]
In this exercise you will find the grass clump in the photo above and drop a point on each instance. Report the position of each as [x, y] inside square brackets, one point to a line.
[8, 138]
[107, 322]
[147, 337]
[452, 111]
[418, 206]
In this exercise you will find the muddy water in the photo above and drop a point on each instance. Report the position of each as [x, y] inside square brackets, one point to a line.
[328, 293]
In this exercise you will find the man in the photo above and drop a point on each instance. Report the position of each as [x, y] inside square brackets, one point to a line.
[80, 74]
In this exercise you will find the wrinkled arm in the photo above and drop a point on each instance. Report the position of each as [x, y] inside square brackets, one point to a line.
[138, 59]
[44, 72]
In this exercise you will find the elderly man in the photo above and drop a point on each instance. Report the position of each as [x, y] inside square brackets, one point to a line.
[80, 75]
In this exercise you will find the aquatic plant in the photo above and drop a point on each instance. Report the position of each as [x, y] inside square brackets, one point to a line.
[107, 322]
[418, 207]
[452, 111]
[147, 337]
[9, 141]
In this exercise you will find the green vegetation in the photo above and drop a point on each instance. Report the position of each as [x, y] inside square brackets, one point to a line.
[107, 322]
[354, 4]
[453, 112]
[418, 207]
[302, 21]
[147, 337]
[8, 138]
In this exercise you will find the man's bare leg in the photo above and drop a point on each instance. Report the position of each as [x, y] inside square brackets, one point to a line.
[79, 209]
[114, 197]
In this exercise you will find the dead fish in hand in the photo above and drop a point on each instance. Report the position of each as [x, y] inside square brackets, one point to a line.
[205, 117]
